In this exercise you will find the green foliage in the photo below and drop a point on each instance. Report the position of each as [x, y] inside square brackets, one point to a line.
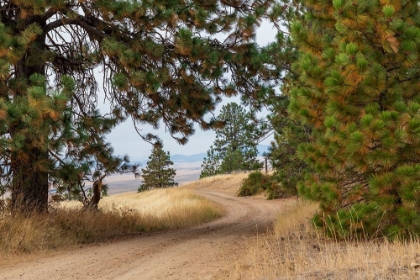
[255, 183]
[235, 147]
[289, 169]
[160, 62]
[211, 164]
[158, 174]
[288, 132]
[358, 73]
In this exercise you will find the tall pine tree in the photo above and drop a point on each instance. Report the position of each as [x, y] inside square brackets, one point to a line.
[160, 61]
[157, 173]
[235, 147]
[359, 91]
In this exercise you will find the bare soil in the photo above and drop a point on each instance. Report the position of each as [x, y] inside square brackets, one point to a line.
[202, 252]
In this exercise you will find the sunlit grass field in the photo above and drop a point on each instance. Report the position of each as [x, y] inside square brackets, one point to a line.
[119, 215]
[294, 249]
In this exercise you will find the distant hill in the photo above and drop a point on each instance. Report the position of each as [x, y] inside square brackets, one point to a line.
[191, 158]
[201, 156]
[177, 158]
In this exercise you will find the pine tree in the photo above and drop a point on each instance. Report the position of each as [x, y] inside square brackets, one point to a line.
[211, 164]
[235, 147]
[359, 93]
[289, 169]
[160, 62]
[288, 132]
[158, 174]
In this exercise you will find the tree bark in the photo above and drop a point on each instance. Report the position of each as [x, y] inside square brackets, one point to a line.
[30, 180]
[29, 185]
[96, 197]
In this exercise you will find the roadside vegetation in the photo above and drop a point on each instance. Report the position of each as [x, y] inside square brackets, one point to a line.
[266, 184]
[118, 216]
[295, 249]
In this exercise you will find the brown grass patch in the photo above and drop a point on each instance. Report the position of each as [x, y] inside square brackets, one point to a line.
[296, 250]
[228, 183]
[119, 215]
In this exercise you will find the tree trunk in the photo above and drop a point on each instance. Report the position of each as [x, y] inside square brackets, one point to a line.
[96, 189]
[29, 184]
[96, 197]
[29, 163]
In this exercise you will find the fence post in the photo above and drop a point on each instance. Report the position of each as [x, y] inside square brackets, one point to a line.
[266, 165]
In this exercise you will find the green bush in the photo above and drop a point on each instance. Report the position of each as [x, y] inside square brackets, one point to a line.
[275, 186]
[281, 185]
[256, 182]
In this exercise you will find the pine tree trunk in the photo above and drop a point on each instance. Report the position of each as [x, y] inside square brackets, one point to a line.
[29, 185]
[30, 181]
[96, 197]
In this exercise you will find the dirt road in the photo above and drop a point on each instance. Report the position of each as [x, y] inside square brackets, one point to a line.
[201, 252]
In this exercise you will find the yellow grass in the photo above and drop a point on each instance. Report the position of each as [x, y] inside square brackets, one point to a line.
[228, 183]
[170, 208]
[295, 250]
[119, 215]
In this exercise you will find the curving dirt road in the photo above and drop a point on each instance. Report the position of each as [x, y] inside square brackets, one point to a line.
[201, 252]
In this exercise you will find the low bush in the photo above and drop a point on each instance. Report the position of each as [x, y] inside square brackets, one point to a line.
[274, 185]
[255, 183]
[281, 186]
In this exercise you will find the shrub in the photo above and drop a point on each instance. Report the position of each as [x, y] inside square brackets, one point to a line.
[281, 186]
[256, 182]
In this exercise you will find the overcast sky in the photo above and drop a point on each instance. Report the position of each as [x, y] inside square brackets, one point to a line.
[125, 140]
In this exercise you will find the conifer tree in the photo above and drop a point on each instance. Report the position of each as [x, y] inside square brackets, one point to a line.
[235, 147]
[160, 62]
[158, 174]
[359, 91]
[289, 169]
[211, 164]
[288, 132]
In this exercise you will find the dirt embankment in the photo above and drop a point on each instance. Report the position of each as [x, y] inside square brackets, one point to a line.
[202, 252]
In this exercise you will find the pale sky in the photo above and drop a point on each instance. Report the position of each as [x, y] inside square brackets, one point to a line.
[125, 140]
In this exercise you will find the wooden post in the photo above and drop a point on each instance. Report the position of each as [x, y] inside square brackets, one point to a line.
[266, 165]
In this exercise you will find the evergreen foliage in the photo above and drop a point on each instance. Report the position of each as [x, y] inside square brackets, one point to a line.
[255, 183]
[235, 147]
[288, 133]
[358, 91]
[289, 169]
[211, 164]
[161, 62]
[158, 174]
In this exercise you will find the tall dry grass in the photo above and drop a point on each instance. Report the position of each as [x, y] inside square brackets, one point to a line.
[119, 215]
[296, 250]
[166, 208]
[228, 183]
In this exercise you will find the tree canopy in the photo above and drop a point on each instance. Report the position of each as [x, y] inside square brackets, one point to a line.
[358, 91]
[159, 62]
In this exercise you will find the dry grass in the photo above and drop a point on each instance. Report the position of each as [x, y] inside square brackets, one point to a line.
[119, 215]
[228, 183]
[295, 250]
[169, 208]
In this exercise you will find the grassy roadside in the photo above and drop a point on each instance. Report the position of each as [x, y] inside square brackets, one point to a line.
[295, 250]
[119, 215]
